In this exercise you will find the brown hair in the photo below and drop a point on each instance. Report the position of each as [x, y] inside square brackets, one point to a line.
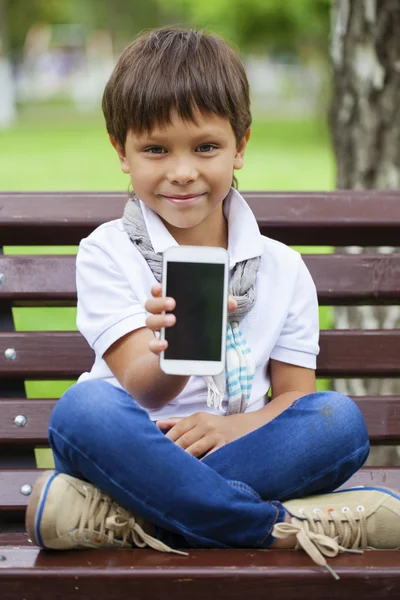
[175, 69]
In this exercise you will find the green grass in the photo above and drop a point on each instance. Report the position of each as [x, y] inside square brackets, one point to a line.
[56, 148]
[63, 150]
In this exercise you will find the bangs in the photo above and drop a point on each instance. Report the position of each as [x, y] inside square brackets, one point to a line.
[175, 71]
[179, 82]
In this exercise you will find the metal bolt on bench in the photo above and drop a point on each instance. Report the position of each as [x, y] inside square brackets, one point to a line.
[20, 420]
[10, 354]
[26, 490]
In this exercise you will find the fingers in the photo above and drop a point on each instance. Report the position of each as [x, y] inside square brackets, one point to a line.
[168, 423]
[157, 346]
[161, 317]
[155, 322]
[189, 437]
[158, 305]
[156, 290]
[232, 303]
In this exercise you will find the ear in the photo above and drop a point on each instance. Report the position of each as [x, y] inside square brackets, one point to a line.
[121, 155]
[239, 156]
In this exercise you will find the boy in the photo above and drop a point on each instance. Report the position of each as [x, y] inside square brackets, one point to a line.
[180, 462]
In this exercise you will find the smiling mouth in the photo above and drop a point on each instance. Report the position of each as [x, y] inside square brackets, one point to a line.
[182, 196]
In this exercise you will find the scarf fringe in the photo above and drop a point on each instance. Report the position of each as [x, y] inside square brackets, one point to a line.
[214, 396]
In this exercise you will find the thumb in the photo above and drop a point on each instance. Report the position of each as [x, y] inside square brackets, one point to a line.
[232, 303]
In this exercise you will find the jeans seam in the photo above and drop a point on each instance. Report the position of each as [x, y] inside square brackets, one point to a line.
[320, 474]
[246, 488]
[272, 526]
[178, 525]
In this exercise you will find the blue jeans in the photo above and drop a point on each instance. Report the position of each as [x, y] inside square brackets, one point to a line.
[230, 499]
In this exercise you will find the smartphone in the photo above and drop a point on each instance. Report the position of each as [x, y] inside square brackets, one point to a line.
[197, 278]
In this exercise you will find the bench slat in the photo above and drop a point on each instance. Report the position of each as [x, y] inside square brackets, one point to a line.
[11, 482]
[339, 278]
[218, 574]
[342, 217]
[381, 414]
[37, 413]
[66, 354]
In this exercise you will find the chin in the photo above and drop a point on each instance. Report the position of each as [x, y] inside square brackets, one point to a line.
[183, 223]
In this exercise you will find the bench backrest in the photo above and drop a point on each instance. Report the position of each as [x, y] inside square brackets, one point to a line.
[361, 218]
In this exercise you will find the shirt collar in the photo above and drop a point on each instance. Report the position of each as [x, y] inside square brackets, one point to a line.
[244, 238]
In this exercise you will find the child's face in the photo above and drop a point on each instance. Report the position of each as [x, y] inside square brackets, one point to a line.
[183, 172]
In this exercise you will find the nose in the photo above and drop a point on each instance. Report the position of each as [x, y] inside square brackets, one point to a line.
[182, 172]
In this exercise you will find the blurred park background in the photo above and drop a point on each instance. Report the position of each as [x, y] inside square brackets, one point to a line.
[56, 56]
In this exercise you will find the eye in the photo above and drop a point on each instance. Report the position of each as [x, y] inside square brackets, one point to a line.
[155, 150]
[206, 148]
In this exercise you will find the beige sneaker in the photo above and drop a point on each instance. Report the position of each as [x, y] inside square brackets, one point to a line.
[343, 521]
[65, 513]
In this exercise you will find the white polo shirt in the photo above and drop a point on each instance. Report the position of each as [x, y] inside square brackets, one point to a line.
[114, 281]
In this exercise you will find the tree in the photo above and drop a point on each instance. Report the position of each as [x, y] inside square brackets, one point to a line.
[253, 24]
[7, 102]
[365, 126]
[123, 18]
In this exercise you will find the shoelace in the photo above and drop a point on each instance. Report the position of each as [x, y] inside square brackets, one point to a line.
[326, 535]
[103, 520]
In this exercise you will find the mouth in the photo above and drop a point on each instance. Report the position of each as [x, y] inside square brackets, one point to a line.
[181, 198]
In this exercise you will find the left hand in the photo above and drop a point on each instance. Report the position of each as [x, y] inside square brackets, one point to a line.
[202, 433]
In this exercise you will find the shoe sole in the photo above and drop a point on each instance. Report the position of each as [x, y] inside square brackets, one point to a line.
[34, 505]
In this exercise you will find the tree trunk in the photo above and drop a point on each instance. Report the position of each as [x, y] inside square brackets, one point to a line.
[365, 128]
[7, 101]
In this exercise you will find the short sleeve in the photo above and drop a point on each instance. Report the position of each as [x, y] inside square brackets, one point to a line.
[107, 307]
[298, 341]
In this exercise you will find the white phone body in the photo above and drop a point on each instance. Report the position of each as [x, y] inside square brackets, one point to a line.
[197, 277]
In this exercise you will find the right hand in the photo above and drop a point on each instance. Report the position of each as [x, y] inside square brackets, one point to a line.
[156, 305]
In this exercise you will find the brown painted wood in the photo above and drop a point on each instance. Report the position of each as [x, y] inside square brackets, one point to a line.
[381, 414]
[346, 353]
[42, 280]
[382, 417]
[11, 482]
[15, 539]
[339, 278]
[218, 574]
[324, 218]
[348, 279]
[37, 413]
[355, 353]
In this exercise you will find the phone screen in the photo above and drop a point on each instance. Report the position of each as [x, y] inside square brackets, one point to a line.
[198, 289]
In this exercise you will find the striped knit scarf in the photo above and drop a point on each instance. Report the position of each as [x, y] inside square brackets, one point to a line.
[239, 371]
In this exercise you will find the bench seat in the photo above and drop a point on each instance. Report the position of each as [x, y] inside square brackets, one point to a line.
[233, 574]
[370, 278]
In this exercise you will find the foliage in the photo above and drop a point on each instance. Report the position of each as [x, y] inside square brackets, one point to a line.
[123, 18]
[282, 25]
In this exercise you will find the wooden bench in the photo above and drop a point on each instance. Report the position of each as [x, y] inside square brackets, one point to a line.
[337, 219]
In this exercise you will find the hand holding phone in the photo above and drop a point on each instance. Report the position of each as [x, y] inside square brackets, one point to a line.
[159, 307]
[196, 277]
